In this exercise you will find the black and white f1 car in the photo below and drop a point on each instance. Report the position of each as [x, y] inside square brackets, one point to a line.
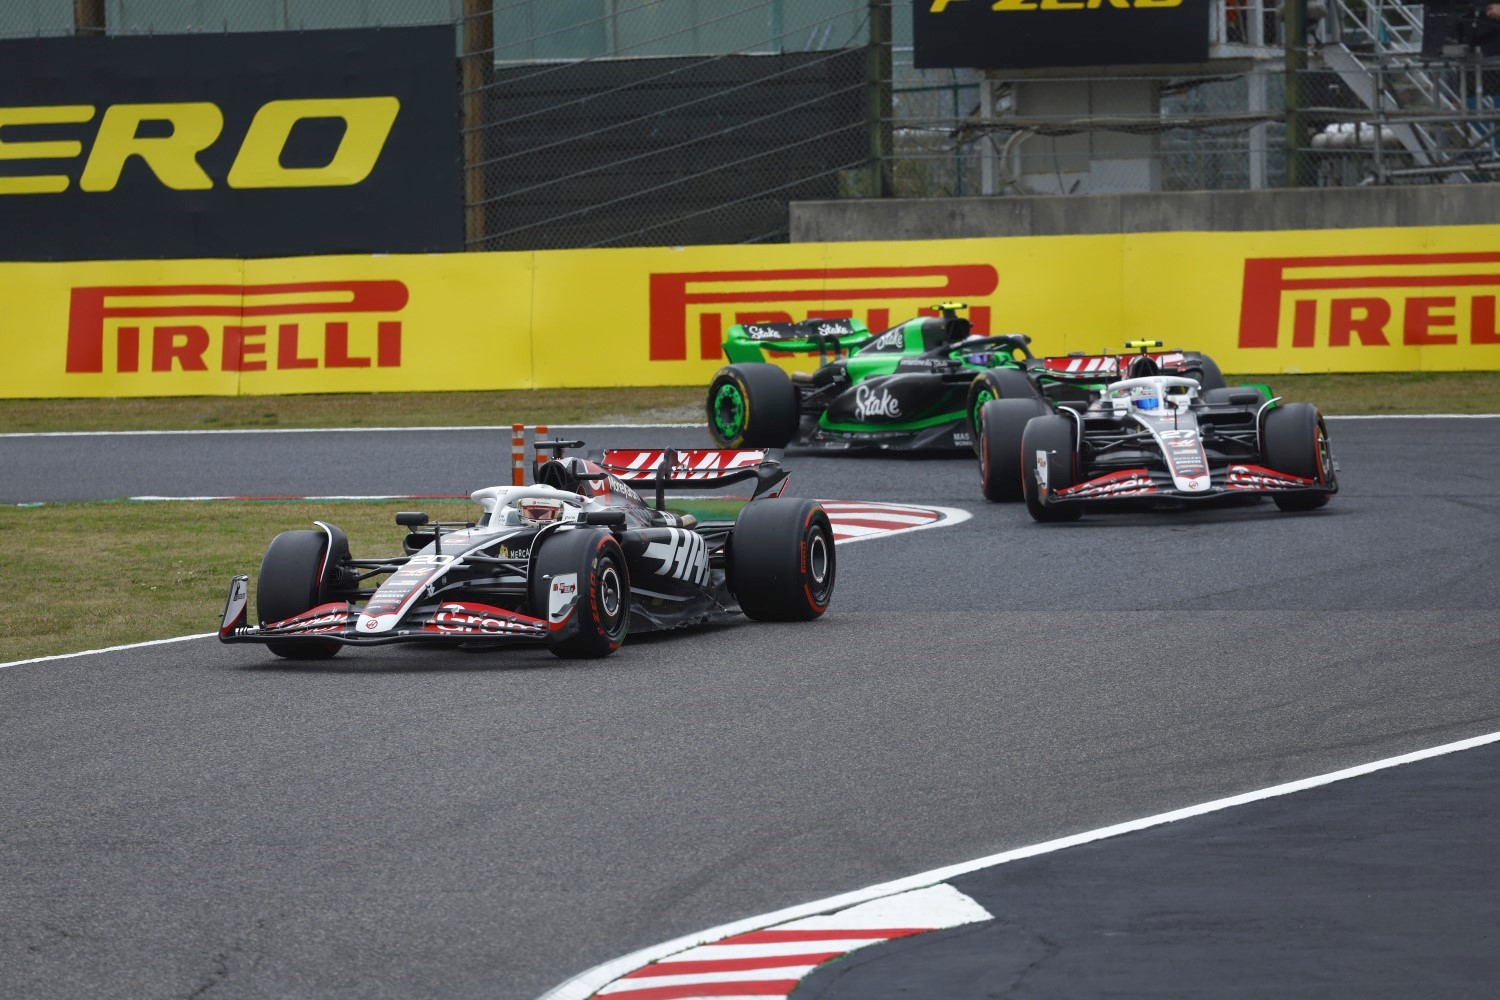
[1154, 439]
[573, 562]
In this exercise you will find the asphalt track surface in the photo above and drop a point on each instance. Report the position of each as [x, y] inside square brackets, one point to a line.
[206, 821]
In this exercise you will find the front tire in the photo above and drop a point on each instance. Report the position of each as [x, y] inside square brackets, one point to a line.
[1295, 441]
[782, 563]
[1054, 435]
[996, 383]
[1001, 422]
[295, 577]
[752, 406]
[580, 586]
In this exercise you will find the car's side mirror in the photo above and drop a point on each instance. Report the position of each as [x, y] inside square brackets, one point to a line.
[603, 517]
[411, 518]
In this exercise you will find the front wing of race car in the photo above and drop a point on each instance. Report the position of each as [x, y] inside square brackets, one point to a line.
[456, 621]
[1238, 479]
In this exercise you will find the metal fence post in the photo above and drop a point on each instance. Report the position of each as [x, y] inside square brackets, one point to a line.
[88, 17]
[878, 83]
[478, 76]
[1294, 43]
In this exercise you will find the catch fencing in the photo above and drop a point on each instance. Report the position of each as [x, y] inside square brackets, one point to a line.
[611, 123]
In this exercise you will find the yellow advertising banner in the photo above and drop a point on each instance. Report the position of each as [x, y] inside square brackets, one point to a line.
[1318, 301]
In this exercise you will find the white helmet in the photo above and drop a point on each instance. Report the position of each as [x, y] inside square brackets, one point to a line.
[539, 510]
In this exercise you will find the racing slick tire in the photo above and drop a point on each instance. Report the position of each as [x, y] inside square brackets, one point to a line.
[1209, 376]
[600, 615]
[1295, 441]
[752, 405]
[996, 383]
[1001, 422]
[781, 560]
[1054, 435]
[295, 577]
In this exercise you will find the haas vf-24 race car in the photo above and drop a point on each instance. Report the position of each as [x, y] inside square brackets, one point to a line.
[574, 562]
[1154, 439]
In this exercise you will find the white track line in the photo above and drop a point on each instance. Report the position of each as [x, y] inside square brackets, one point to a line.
[336, 430]
[108, 649]
[1415, 416]
[587, 983]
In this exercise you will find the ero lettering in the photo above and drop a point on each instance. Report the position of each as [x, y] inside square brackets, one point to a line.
[178, 344]
[194, 127]
[711, 296]
[1335, 305]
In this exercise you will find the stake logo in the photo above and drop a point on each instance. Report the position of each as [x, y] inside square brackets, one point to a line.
[162, 328]
[1375, 300]
[706, 299]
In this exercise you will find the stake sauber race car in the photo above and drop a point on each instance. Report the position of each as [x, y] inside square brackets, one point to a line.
[1155, 439]
[574, 562]
[906, 388]
[918, 385]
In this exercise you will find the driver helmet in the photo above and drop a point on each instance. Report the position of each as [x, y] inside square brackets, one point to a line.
[539, 510]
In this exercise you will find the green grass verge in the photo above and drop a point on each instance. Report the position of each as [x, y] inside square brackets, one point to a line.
[85, 575]
[1407, 392]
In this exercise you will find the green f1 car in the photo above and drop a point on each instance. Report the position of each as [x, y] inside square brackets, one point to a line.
[910, 387]
[919, 385]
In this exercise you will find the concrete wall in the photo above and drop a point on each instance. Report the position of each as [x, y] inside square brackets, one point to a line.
[1193, 211]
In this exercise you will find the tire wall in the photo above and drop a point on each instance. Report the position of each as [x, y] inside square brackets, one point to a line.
[1397, 298]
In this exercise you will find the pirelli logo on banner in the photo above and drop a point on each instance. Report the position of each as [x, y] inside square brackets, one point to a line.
[698, 306]
[235, 328]
[1376, 300]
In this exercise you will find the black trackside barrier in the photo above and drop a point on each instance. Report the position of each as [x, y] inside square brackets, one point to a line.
[230, 145]
[1022, 34]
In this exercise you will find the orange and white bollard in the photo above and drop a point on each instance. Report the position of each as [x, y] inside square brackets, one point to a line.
[537, 458]
[518, 454]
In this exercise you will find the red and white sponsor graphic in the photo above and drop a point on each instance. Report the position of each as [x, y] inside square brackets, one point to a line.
[466, 618]
[323, 618]
[1255, 477]
[771, 962]
[1125, 483]
[691, 463]
[854, 520]
[1105, 364]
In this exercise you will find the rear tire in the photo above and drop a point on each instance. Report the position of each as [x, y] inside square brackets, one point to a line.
[996, 383]
[1296, 442]
[782, 563]
[752, 406]
[294, 577]
[1001, 422]
[592, 563]
[1209, 376]
[1054, 435]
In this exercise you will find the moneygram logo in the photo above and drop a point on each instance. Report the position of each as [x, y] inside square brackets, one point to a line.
[1375, 300]
[709, 302]
[235, 328]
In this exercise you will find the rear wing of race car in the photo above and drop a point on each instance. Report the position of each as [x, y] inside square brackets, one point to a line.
[747, 342]
[698, 468]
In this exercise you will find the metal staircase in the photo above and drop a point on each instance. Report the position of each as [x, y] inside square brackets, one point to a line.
[1427, 116]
